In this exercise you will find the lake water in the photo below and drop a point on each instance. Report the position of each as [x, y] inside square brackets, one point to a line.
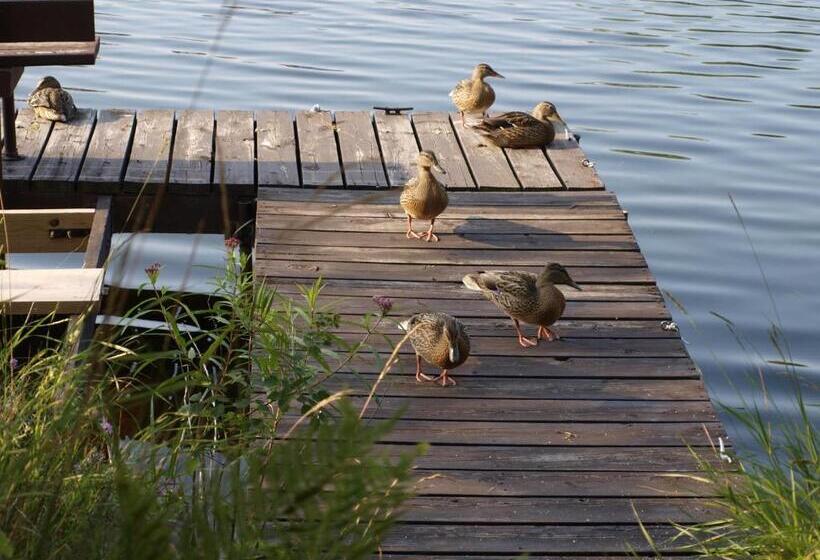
[680, 104]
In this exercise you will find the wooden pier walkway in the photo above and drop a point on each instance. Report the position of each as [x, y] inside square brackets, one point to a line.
[549, 451]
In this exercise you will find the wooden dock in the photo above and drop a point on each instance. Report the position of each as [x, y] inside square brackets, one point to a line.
[549, 451]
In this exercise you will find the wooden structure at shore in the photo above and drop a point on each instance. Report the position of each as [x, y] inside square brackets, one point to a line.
[555, 451]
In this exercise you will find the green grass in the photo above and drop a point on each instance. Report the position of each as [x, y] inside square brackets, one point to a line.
[204, 471]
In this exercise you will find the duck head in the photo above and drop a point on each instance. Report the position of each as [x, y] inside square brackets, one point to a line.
[544, 111]
[482, 71]
[427, 159]
[555, 274]
[47, 82]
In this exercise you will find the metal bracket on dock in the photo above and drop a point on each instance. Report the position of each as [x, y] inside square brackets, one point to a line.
[393, 110]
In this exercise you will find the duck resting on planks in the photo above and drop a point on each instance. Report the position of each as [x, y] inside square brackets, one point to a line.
[424, 197]
[440, 340]
[51, 102]
[517, 129]
[525, 297]
[474, 95]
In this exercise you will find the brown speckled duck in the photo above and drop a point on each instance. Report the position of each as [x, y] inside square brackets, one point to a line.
[424, 197]
[51, 102]
[526, 297]
[520, 130]
[438, 339]
[474, 95]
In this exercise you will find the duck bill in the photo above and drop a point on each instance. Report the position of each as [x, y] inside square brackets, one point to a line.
[574, 285]
[496, 74]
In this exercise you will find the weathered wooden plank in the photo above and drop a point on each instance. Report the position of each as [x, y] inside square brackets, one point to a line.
[532, 169]
[27, 231]
[276, 149]
[191, 163]
[401, 291]
[445, 408]
[526, 387]
[150, 152]
[514, 540]
[435, 133]
[575, 169]
[62, 157]
[542, 367]
[399, 148]
[443, 457]
[475, 257]
[69, 291]
[467, 241]
[317, 150]
[557, 484]
[500, 326]
[457, 226]
[99, 236]
[568, 212]
[541, 511]
[105, 160]
[405, 292]
[493, 199]
[361, 158]
[498, 432]
[234, 153]
[487, 162]
[433, 272]
[31, 134]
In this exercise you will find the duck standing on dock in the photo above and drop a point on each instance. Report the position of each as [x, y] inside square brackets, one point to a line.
[424, 197]
[526, 297]
[440, 340]
[51, 102]
[474, 95]
[517, 129]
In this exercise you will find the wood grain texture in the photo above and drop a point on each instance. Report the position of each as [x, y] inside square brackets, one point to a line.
[399, 148]
[361, 157]
[533, 170]
[487, 162]
[545, 450]
[105, 160]
[148, 163]
[41, 291]
[317, 150]
[27, 231]
[276, 149]
[573, 165]
[191, 163]
[62, 157]
[31, 134]
[234, 153]
[435, 133]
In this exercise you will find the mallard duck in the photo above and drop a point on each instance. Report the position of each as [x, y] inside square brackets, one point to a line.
[440, 340]
[51, 102]
[521, 130]
[526, 297]
[474, 95]
[424, 197]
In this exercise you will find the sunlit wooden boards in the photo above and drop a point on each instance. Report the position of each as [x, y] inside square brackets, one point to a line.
[106, 157]
[232, 152]
[39, 292]
[555, 451]
[147, 168]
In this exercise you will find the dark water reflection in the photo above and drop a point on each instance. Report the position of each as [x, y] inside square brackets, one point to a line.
[680, 104]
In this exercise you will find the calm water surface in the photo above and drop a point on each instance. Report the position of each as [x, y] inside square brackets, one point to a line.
[680, 103]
